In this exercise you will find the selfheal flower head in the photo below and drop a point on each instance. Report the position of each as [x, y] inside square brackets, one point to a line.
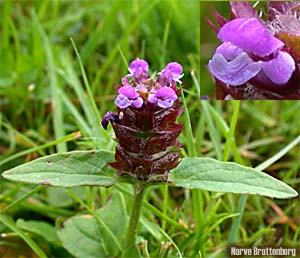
[145, 122]
[258, 59]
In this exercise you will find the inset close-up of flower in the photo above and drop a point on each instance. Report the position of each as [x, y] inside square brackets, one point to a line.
[259, 52]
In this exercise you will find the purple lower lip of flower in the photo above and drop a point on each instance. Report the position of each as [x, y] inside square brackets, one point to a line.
[173, 72]
[280, 69]
[164, 97]
[138, 67]
[235, 72]
[127, 97]
[228, 50]
[138, 102]
[123, 101]
[250, 35]
[165, 103]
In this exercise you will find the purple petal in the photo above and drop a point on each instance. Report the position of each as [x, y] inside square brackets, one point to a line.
[165, 103]
[128, 91]
[164, 97]
[138, 67]
[166, 92]
[173, 72]
[152, 98]
[105, 120]
[109, 116]
[236, 72]
[250, 35]
[280, 69]
[122, 101]
[104, 123]
[173, 68]
[228, 50]
[137, 102]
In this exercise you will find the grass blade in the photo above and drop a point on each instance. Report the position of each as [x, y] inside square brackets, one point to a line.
[57, 107]
[212, 129]
[7, 221]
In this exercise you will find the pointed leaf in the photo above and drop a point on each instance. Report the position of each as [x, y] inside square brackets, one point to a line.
[213, 175]
[67, 169]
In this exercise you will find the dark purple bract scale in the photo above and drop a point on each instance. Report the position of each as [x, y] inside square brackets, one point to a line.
[145, 122]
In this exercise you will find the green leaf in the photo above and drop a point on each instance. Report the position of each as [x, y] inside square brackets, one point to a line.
[40, 228]
[213, 175]
[67, 169]
[83, 236]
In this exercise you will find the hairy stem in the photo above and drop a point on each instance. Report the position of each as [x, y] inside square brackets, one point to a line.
[137, 203]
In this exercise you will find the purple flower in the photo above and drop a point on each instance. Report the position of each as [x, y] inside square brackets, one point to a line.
[127, 97]
[109, 117]
[247, 42]
[172, 73]
[138, 67]
[164, 97]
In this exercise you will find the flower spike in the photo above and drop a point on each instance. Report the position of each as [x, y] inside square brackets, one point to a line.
[145, 123]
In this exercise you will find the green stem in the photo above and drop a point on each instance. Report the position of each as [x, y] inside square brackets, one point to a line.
[137, 204]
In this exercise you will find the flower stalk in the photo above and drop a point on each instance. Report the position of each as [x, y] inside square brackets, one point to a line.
[137, 203]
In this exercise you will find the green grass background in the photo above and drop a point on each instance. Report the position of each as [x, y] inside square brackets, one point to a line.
[47, 95]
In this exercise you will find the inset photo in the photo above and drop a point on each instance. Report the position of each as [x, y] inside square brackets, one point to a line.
[250, 50]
